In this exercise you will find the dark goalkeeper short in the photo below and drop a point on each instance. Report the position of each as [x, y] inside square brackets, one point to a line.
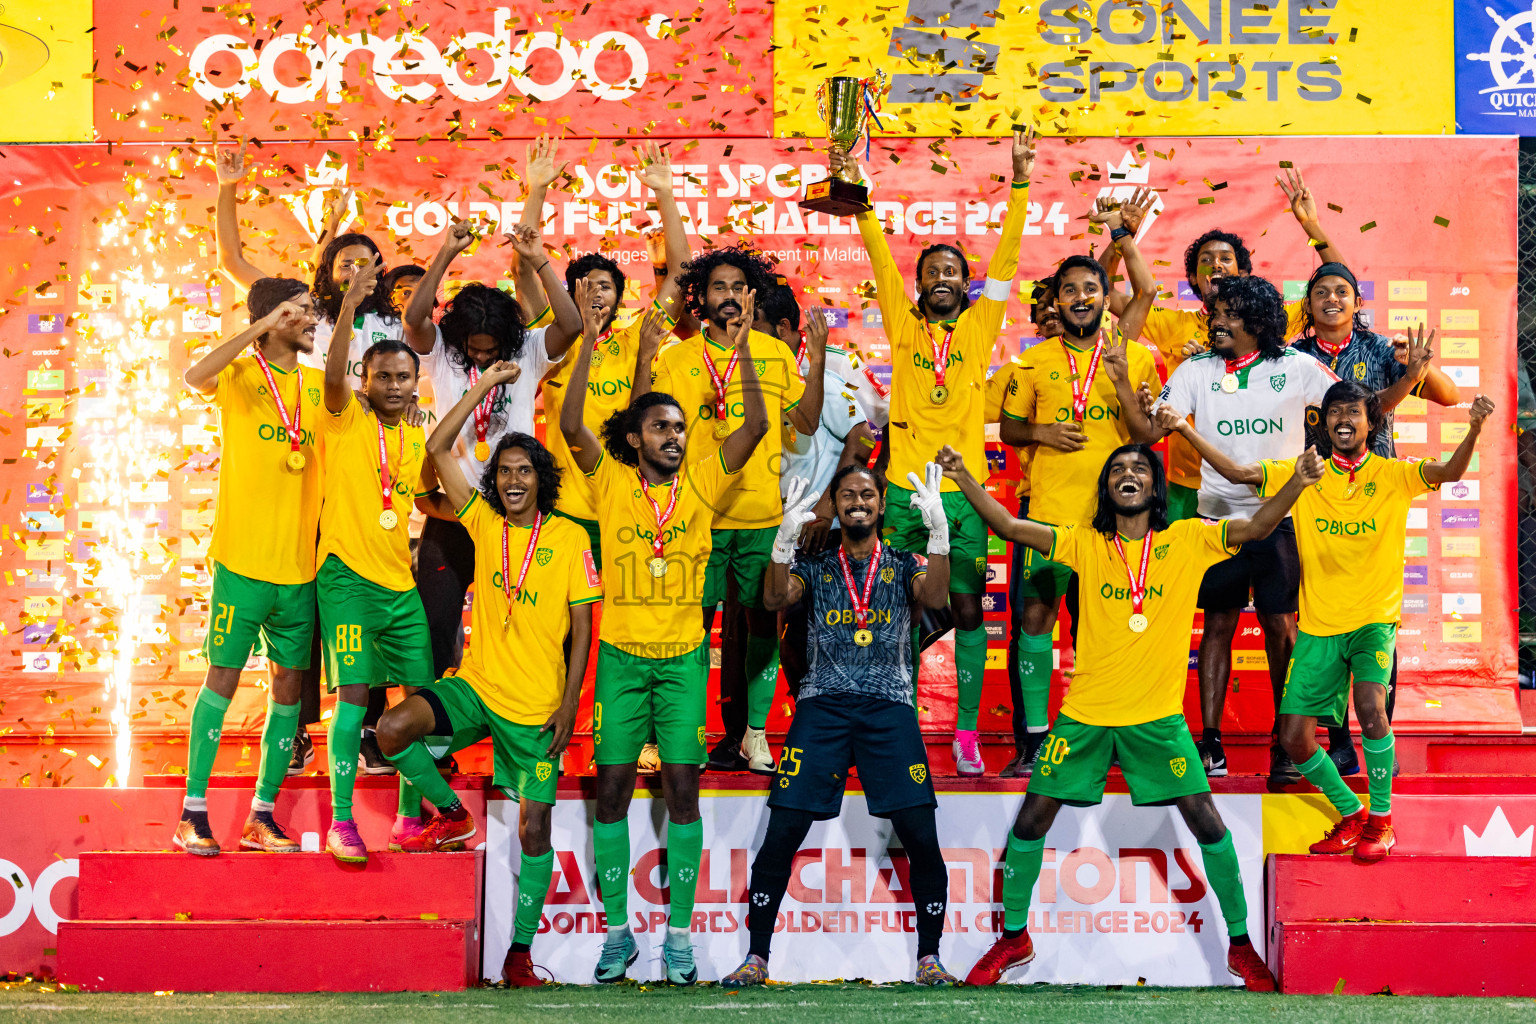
[834, 731]
[1270, 568]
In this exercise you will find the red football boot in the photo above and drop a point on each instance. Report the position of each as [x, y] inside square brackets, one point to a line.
[442, 832]
[1244, 962]
[517, 970]
[1004, 955]
[1343, 836]
[1376, 839]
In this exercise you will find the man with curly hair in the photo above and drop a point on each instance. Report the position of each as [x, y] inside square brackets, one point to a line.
[656, 508]
[705, 375]
[535, 584]
[1250, 394]
[941, 348]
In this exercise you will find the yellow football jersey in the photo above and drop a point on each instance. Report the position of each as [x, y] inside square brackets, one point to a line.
[349, 520]
[609, 384]
[997, 390]
[1351, 543]
[266, 514]
[919, 427]
[755, 502]
[1064, 485]
[643, 615]
[1122, 677]
[1170, 330]
[515, 659]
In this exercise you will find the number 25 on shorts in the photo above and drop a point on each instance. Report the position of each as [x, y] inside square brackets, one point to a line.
[349, 637]
[790, 755]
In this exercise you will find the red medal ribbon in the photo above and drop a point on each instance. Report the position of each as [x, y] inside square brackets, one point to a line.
[662, 518]
[1332, 350]
[1233, 365]
[386, 479]
[1081, 392]
[941, 356]
[721, 383]
[860, 605]
[805, 343]
[282, 409]
[1350, 467]
[1138, 580]
[482, 411]
[507, 588]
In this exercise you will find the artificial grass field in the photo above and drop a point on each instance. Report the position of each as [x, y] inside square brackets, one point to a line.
[777, 1004]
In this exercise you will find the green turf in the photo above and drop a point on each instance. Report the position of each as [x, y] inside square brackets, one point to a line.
[779, 1004]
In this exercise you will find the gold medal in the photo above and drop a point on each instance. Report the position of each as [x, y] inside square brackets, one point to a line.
[1138, 623]
[388, 519]
[1229, 383]
[482, 451]
[939, 395]
[863, 637]
[296, 461]
[506, 623]
[1349, 491]
[722, 429]
[658, 567]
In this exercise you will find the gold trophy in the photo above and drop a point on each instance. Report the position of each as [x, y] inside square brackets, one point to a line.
[841, 102]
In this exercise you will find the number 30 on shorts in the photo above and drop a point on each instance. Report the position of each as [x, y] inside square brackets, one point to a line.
[1055, 750]
[349, 637]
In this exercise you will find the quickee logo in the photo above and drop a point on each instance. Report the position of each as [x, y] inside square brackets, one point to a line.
[598, 63]
[1511, 57]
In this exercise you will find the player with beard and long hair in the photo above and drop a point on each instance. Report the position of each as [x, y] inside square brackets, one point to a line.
[1075, 398]
[856, 704]
[1350, 532]
[656, 508]
[941, 348]
[262, 553]
[1252, 392]
[704, 374]
[1140, 576]
[1180, 333]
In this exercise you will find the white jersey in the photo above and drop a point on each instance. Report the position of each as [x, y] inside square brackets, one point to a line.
[366, 329]
[511, 412]
[1264, 419]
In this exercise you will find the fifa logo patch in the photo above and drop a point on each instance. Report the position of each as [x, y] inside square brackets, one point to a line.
[1178, 764]
[1381, 659]
[543, 555]
[919, 773]
[543, 770]
[887, 574]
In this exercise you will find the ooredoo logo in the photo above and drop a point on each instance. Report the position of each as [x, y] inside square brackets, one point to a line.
[34, 898]
[611, 65]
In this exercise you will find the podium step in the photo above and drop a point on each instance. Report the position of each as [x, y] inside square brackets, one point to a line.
[1410, 959]
[1425, 889]
[238, 886]
[268, 956]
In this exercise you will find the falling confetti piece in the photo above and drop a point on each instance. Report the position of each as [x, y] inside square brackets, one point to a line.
[1367, 226]
[1442, 222]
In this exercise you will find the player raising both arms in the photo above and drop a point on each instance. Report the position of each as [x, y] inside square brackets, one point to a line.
[941, 347]
[655, 509]
[262, 554]
[1350, 531]
[535, 582]
[856, 703]
[1140, 576]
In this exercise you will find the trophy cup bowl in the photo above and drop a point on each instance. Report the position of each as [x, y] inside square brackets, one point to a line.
[841, 105]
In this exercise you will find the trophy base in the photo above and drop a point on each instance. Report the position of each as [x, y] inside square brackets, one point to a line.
[836, 198]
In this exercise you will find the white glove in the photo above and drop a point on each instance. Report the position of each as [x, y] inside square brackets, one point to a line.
[927, 500]
[799, 509]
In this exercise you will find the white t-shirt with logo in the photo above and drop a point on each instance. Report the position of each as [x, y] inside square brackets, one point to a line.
[511, 412]
[366, 329]
[1264, 419]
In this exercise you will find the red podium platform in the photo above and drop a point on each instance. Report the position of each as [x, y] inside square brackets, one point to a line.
[1412, 925]
[274, 923]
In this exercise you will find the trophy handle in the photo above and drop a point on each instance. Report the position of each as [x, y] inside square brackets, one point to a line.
[821, 101]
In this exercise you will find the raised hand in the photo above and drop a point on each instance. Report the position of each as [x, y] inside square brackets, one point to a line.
[286, 315]
[591, 319]
[1023, 153]
[1147, 399]
[842, 164]
[1303, 206]
[540, 169]
[1107, 212]
[335, 210]
[362, 285]
[1416, 353]
[799, 509]
[1115, 361]
[654, 168]
[527, 242]
[461, 235]
[816, 335]
[1064, 437]
[951, 462]
[1168, 420]
[1482, 407]
[1135, 209]
[1309, 467]
[655, 245]
[740, 329]
[229, 163]
[501, 372]
[653, 329]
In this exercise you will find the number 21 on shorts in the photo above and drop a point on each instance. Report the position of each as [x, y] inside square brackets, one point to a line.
[349, 637]
[224, 618]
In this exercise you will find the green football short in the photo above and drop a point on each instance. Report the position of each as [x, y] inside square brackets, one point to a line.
[744, 554]
[1318, 678]
[594, 534]
[904, 529]
[1158, 758]
[1040, 578]
[243, 613]
[523, 767]
[1183, 502]
[637, 698]
[372, 635]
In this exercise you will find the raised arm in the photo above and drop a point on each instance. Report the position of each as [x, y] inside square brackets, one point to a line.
[203, 377]
[890, 289]
[806, 416]
[338, 389]
[440, 444]
[1133, 312]
[654, 168]
[229, 165]
[420, 333]
[997, 518]
[1422, 375]
[584, 444]
[739, 444]
[1304, 209]
[335, 209]
[1170, 421]
[1452, 469]
[1309, 470]
[1117, 365]
[567, 324]
[932, 589]
[780, 589]
[1004, 263]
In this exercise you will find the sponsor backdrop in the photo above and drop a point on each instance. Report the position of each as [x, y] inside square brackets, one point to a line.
[1495, 80]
